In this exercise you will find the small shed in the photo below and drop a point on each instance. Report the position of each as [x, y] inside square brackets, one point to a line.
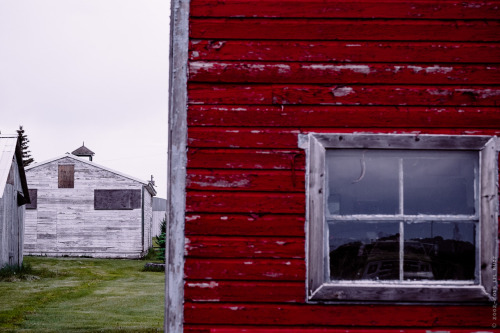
[81, 208]
[14, 196]
[333, 166]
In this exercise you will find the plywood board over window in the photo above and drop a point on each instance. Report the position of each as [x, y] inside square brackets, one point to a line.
[66, 176]
[117, 199]
[33, 193]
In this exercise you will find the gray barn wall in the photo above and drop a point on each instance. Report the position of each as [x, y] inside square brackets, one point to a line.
[11, 220]
[159, 213]
[66, 223]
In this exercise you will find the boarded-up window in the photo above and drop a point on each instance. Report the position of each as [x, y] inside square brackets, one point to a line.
[117, 199]
[66, 177]
[33, 198]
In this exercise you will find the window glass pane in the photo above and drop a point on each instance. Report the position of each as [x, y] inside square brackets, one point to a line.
[439, 182]
[440, 251]
[362, 181]
[364, 250]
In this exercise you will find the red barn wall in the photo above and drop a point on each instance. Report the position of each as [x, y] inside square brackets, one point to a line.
[262, 72]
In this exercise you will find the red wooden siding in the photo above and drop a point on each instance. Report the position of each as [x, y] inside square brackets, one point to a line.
[261, 72]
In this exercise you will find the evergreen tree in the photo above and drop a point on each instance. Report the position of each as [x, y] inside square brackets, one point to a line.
[161, 239]
[27, 159]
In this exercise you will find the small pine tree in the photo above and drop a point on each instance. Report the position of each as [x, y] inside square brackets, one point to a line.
[161, 239]
[27, 159]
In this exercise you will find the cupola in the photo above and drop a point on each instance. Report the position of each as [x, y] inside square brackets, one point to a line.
[83, 152]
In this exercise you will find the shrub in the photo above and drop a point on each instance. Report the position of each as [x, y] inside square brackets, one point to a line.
[161, 240]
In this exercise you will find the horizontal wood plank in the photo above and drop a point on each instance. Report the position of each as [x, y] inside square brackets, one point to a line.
[295, 72]
[244, 247]
[249, 291]
[338, 51]
[242, 137]
[392, 95]
[227, 202]
[246, 159]
[288, 138]
[278, 181]
[338, 29]
[245, 269]
[346, 315]
[336, 116]
[245, 225]
[347, 9]
[194, 328]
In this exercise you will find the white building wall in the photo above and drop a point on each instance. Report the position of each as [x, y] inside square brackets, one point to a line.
[65, 221]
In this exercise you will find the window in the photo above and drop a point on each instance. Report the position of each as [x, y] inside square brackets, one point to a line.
[66, 176]
[402, 217]
[117, 199]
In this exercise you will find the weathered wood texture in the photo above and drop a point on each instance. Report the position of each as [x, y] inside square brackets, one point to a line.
[66, 221]
[262, 72]
[11, 218]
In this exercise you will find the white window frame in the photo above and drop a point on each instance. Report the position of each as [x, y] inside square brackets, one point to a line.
[319, 286]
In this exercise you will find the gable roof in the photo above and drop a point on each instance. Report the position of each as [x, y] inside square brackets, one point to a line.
[148, 185]
[83, 151]
[10, 147]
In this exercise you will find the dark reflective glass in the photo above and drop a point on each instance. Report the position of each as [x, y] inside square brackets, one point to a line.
[439, 182]
[363, 250]
[362, 182]
[439, 251]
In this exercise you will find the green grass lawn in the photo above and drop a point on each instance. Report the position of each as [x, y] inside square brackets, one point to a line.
[82, 295]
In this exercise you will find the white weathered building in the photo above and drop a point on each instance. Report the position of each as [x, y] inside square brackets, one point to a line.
[14, 195]
[85, 209]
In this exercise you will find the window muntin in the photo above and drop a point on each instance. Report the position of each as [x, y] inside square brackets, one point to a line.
[381, 228]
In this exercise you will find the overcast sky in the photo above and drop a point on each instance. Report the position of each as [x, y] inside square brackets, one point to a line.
[88, 70]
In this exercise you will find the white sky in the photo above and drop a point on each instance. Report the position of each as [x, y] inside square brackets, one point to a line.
[88, 70]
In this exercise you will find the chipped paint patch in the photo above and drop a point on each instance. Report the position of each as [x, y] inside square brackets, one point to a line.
[193, 217]
[283, 69]
[438, 70]
[342, 91]
[210, 285]
[363, 69]
[221, 183]
[224, 218]
[439, 92]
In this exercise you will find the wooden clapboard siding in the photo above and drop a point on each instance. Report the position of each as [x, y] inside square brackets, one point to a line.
[227, 180]
[347, 9]
[11, 214]
[244, 247]
[344, 29]
[355, 73]
[368, 316]
[245, 224]
[335, 116]
[246, 159]
[251, 291]
[262, 72]
[344, 51]
[306, 329]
